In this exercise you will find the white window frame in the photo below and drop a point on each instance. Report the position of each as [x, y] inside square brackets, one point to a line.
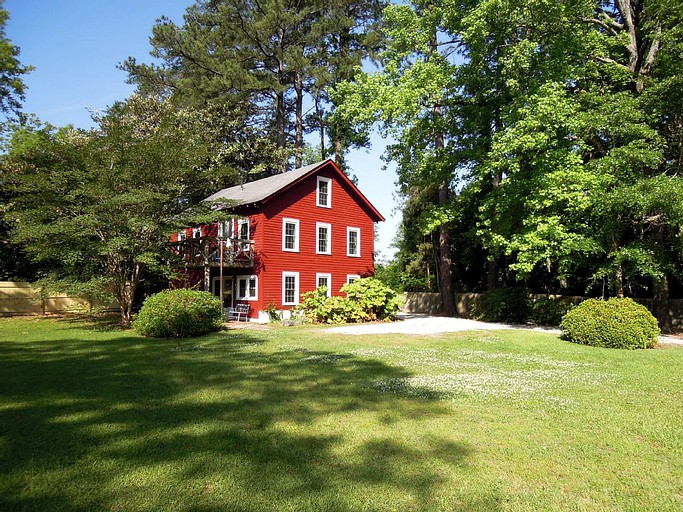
[246, 279]
[328, 204]
[225, 229]
[295, 275]
[350, 230]
[349, 277]
[244, 245]
[182, 236]
[296, 223]
[197, 232]
[240, 223]
[319, 225]
[318, 276]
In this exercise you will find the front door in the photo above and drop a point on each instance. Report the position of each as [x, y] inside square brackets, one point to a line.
[227, 290]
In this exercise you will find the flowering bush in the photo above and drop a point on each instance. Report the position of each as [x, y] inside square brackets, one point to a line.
[366, 300]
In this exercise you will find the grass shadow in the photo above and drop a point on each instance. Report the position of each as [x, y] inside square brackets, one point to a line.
[213, 423]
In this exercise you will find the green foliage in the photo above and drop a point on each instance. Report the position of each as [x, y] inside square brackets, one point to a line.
[12, 86]
[103, 202]
[376, 300]
[179, 314]
[261, 59]
[96, 291]
[547, 311]
[616, 323]
[271, 310]
[508, 305]
[366, 300]
[317, 307]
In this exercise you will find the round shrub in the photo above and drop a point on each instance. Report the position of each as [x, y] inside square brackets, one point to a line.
[547, 311]
[179, 314]
[616, 323]
[510, 305]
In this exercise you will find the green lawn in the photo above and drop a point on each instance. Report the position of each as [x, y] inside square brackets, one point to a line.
[300, 419]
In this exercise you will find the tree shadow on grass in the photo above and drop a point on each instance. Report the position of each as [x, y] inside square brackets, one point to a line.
[210, 424]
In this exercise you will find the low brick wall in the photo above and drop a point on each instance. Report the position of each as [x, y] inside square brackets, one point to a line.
[19, 298]
[430, 304]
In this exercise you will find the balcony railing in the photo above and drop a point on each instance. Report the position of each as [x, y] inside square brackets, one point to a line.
[206, 251]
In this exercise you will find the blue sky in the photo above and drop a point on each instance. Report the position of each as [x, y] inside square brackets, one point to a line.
[75, 46]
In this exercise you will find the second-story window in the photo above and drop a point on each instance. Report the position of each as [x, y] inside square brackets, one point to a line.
[225, 229]
[196, 232]
[182, 236]
[243, 234]
[243, 226]
[290, 235]
[323, 238]
[353, 242]
[324, 192]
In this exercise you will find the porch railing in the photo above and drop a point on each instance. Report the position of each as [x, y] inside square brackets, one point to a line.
[205, 251]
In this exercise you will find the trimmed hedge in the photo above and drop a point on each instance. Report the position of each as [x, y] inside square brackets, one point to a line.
[179, 314]
[547, 311]
[507, 305]
[616, 323]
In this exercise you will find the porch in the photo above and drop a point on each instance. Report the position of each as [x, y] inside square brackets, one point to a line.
[211, 251]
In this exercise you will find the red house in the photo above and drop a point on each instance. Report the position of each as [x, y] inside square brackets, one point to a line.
[292, 233]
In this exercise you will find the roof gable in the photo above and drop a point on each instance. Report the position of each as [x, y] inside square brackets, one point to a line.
[261, 191]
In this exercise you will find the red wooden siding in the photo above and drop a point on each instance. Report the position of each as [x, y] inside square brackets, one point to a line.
[299, 202]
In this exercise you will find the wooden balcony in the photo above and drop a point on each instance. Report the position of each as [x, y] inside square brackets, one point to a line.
[205, 252]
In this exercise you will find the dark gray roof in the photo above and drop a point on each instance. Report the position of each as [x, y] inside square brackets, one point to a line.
[258, 190]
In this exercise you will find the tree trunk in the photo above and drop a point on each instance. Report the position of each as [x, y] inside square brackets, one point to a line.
[660, 290]
[280, 124]
[321, 126]
[618, 272]
[125, 276]
[445, 259]
[492, 274]
[619, 281]
[299, 140]
[338, 150]
[445, 256]
[660, 302]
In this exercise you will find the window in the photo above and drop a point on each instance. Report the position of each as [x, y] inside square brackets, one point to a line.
[196, 232]
[350, 278]
[324, 280]
[323, 242]
[182, 236]
[290, 235]
[247, 288]
[243, 234]
[353, 242]
[243, 226]
[290, 288]
[225, 229]
[324, 192]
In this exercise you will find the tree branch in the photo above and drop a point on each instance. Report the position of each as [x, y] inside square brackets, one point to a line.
[652, 52]
[607, 60]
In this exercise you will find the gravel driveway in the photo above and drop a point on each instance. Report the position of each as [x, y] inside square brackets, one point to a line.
[412, 323]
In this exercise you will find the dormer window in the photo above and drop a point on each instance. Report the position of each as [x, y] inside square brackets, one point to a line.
[324, 192]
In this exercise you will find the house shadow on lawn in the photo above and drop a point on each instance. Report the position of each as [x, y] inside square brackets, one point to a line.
[210, 424]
